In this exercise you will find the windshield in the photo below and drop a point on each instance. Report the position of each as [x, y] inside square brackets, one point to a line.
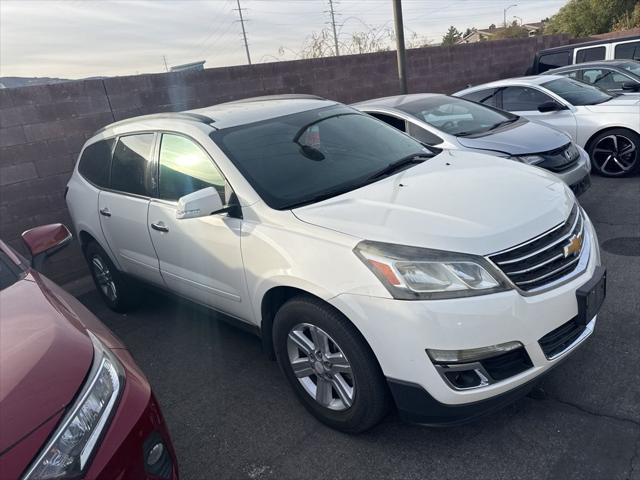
[10, 273]
[456, 116]
[577, 93]
[294, 159]
[633, 67]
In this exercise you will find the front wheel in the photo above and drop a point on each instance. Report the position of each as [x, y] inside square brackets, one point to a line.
[329, 365]
[116, 291]
[615, 153]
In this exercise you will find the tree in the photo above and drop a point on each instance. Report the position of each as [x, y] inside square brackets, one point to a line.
[452, 36]
[582, 18]
[629, 20]
[512, 31]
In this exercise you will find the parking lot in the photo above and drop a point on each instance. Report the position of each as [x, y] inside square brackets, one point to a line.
[232, 414]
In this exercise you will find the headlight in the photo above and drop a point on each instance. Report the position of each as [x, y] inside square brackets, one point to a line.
[69, 449]
[412, 273]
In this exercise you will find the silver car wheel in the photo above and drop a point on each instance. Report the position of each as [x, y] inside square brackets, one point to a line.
[615, 155]
[321, 367]
[104, 279]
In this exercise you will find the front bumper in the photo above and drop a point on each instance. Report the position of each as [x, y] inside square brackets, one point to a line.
[578, 177]
[137, 421]
[400, 332]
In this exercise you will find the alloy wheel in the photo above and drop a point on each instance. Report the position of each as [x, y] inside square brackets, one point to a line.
[615, 155]
[104, 279]
[321, 367]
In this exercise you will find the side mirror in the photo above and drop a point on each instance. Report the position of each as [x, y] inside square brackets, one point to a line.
[199, 204]
[45, 240]
[550, 106]
[631, 87]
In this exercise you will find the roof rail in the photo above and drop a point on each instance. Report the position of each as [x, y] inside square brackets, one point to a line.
[283, 96]
[194, 117]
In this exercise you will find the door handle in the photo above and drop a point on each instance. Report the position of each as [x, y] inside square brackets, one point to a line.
[105, 212]
[160, 226]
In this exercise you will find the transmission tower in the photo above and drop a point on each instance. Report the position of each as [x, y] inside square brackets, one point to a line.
[244, 32]
[333, 25]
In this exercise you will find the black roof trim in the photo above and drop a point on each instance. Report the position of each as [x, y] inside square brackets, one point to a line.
[194, 117]
[587, 44]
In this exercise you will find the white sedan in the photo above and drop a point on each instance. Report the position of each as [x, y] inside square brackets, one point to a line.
[607, 126]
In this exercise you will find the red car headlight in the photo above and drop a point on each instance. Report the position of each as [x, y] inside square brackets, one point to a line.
[68, 451]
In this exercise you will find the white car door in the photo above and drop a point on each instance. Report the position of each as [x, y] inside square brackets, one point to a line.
[524, 101]
[124, 207]
[199, 257]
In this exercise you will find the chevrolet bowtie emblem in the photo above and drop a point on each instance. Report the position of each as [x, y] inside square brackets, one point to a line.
[573, 247]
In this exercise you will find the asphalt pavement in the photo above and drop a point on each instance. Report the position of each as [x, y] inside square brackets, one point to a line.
[233, 416]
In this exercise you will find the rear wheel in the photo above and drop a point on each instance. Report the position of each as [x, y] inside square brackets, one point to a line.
[615, 153]
[329, 365]
[116, 291]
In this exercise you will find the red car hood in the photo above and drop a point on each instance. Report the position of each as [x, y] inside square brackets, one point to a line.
[45, 354]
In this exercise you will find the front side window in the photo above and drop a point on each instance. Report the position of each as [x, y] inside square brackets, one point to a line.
[131, 167]
[186, 168]
[629, 50]
[591, 54]
[304, 157]
[577, 93]
[486, 97]
[523, 99]
[95, 162]
[553, 60]
[422, 135]
[456, 116]
[604, 78]
[10, 273]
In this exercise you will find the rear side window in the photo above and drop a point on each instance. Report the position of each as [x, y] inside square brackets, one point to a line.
[522, 99]
[629, 50]
[486, 97]
[591, 54]
[553, 60]
[95, 162]
[131, 167]
[186, 168]
[395, 122]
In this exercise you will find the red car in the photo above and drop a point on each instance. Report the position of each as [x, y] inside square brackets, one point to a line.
[73, 403]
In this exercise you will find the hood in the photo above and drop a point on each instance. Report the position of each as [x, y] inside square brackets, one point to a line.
[45, 354]
[457, 201]
[521, 139]
[621, 104]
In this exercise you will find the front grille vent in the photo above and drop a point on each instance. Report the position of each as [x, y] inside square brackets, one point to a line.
[546, 258]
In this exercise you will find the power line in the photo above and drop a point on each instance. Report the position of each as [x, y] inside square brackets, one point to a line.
[244, 32]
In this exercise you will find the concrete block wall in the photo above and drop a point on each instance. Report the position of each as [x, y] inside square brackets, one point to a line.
[43, 128]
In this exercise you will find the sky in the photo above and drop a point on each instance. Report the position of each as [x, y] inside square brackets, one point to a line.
[83, 38]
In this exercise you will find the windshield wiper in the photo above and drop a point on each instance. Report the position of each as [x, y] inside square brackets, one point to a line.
[400, 164]
[500, 124]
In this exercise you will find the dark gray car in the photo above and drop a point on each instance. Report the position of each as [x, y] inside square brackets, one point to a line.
[454, 123]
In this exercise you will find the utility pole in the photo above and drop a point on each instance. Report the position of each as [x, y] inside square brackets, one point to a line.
[164, 58]
[244, 33]
[505, 14]
[399, 28]
[333, 24]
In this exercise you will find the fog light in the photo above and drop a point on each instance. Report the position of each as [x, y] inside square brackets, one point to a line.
[471, 355]
[155, 454]
[464, 379]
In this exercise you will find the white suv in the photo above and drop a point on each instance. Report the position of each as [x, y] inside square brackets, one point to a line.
[375, 269]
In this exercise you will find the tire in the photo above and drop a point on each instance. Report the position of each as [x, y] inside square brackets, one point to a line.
[615, 153]
[118, 292]
[358, 395]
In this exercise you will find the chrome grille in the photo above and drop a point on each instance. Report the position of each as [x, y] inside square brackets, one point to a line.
[545, 258]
